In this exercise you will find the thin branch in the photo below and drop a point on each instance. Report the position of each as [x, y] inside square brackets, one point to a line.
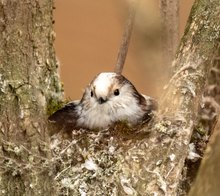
[169, 10]
[123, 50]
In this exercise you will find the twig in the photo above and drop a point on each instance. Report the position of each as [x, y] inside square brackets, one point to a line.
[72, 143]
[123, 50]
[58, 175]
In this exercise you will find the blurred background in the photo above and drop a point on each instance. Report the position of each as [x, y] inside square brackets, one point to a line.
[88, 36]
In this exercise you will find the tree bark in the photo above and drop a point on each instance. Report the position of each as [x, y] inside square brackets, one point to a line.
[29, 85]
[207, 118]
[207, 180]
[169, 10]
[150, 161]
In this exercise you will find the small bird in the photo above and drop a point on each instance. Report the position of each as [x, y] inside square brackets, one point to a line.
[109, 98]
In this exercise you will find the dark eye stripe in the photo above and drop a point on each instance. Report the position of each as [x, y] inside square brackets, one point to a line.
[91, 94]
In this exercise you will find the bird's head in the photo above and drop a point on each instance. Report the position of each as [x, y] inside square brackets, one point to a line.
[109, 88]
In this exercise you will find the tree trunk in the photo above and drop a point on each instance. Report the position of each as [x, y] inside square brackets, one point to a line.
[28, 84]
[207, 180]
[169, 10]
[149, 161]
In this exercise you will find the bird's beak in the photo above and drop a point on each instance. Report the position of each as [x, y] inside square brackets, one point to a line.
[101, 100]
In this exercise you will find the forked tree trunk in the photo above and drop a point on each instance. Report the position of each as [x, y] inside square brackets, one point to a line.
[109, 162]
[28, 79]
[150, 161]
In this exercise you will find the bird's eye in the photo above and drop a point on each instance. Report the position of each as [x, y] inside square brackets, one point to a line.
[116, 92]
[91, 94]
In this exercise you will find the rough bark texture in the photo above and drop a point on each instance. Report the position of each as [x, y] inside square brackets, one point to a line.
[200, 47]
[28, 83]
[150, 161]
[207, 118]
[210, 107]
[207, 180]
[169, 10]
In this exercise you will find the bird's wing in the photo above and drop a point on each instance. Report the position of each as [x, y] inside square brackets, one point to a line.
[150, 107]
[151, 103]
[66, 117]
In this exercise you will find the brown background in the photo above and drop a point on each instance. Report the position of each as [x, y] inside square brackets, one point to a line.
[88, 35]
